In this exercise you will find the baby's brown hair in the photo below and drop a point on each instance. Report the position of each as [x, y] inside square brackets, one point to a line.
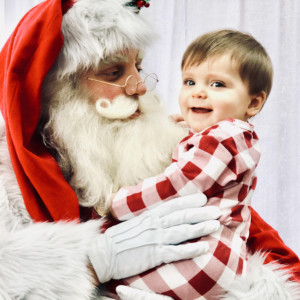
[255, 66]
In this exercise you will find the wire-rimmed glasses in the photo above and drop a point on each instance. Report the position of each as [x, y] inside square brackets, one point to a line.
[131, 82]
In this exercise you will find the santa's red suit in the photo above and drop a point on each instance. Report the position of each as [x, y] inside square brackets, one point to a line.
[33, 189]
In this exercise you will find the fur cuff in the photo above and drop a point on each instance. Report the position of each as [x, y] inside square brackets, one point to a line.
[47, 261]
[263, 281]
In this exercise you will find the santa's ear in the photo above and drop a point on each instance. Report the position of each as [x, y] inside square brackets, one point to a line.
[256, 103]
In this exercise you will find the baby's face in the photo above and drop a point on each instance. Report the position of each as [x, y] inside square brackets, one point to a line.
[213, 91]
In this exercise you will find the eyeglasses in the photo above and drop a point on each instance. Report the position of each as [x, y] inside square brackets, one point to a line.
[131, 83]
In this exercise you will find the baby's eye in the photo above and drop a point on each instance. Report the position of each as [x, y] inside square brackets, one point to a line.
[189, 82]
[218, 84]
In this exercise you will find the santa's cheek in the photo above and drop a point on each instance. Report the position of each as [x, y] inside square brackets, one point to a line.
[109, 93]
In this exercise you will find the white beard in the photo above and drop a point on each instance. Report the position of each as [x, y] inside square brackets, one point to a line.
[99, 155]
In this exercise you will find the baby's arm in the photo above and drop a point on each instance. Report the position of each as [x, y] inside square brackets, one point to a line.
[205, 163]
[208, 163]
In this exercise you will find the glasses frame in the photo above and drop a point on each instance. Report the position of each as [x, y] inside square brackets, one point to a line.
[126, 81]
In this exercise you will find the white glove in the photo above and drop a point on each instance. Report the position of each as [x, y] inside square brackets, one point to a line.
[129, 293]
[148, 240]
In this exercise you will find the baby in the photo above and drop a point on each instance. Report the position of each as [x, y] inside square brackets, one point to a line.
[226, 78]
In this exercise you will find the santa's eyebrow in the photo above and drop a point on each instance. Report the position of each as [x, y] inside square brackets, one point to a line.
[114, 59]
[119, 58]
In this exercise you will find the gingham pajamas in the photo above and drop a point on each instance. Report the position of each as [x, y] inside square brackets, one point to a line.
[220, 162]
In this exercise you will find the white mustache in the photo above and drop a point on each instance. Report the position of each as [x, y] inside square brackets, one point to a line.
[121, 107]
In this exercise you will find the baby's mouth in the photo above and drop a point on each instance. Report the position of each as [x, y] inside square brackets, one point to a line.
[201, 110]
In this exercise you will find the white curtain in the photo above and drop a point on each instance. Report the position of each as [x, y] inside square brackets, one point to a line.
[276, 24]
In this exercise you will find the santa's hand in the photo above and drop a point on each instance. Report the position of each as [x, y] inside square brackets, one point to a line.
[129, 293]
[150, 239]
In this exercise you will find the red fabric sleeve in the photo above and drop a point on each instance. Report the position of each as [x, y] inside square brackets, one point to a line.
[263, 237]
[25, 60]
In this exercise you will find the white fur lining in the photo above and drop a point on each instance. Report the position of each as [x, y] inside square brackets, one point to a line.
[12, 209]
[47, 261]
[263, 282]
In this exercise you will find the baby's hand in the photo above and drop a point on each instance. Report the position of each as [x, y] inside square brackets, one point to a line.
[177, 118]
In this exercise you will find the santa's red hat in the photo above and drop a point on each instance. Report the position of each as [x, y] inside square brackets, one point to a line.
[71, 35]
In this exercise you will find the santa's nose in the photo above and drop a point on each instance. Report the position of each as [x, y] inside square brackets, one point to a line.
[141, 88]
[135, 85]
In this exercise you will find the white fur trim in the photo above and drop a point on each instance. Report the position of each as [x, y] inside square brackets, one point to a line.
[47, 261]
[95, 29]
[12, 209]
[263, 282]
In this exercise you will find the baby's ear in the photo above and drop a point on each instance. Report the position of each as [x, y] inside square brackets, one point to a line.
[256, 103]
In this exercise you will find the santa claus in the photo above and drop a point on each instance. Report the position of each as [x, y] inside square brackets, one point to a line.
[80, 122]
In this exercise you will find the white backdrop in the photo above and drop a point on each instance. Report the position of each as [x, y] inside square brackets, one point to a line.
[276, 24]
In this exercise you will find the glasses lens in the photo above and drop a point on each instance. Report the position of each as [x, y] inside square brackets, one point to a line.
[131, 85]
[150, 81]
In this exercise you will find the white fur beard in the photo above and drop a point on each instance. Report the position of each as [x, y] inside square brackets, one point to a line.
[98, 155]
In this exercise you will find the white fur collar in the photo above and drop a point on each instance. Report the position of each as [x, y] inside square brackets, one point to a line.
[263, 282]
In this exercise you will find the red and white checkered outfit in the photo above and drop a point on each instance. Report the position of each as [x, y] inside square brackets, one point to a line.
[220, 161]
